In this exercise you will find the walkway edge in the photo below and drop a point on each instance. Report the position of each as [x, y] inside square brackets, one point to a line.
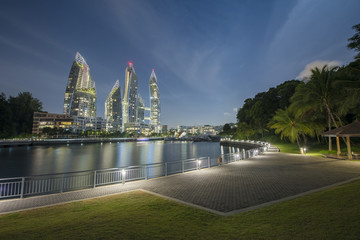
[66, 202]
[290, 197]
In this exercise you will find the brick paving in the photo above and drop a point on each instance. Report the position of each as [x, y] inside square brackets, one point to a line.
[228, 189]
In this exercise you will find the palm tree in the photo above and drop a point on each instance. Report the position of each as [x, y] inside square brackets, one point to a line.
[290, 126]
[320, 94]
[349, 80]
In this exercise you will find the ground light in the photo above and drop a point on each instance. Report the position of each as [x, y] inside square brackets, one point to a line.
[198, 162]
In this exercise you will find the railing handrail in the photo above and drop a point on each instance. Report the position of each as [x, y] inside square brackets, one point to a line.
[104, 169]
[69, 181]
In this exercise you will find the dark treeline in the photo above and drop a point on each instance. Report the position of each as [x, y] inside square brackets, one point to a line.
[16, 114]
[302, 110]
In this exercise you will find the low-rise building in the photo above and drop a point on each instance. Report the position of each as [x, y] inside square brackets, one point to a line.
[43, 120]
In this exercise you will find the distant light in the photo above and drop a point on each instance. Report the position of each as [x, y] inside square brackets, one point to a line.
[130, 64]
[142, 139]
[153, 69]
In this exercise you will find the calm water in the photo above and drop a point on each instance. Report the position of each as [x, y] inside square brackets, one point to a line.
[37, 160]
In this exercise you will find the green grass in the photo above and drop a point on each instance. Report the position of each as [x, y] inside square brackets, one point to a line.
[330, 214]
[287, 147]
[313, 149]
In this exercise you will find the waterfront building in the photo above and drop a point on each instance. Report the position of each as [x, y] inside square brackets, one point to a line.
[129, 96]
[140, 110]
[66, 124]
[154, 101]
[84, 124]
[80, 93]
[207, 130]
[43, 120]
[113, 110]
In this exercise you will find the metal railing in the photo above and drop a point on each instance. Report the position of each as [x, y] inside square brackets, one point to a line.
[55, 183]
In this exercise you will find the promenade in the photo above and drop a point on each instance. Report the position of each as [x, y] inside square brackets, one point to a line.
[236, 187]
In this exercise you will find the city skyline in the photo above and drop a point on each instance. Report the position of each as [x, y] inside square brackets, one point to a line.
[209, 57]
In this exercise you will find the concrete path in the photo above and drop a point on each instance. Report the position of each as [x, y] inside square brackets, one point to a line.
[229, 189]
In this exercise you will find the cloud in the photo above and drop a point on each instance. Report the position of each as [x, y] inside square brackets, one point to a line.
[226, 114]
[318, 63]
[235, 110]
[29, 30]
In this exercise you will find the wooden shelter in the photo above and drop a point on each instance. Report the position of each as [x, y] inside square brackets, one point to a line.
[350, 130]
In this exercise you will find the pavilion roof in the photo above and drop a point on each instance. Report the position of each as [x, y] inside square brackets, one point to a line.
[350, 130]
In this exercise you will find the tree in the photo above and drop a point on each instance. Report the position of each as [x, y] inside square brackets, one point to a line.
[256, 112]
[23, 107]
[244, 131]
[227, 128]
[290, 126]
[348, 80]
[354, 41]
[7, 128]
[318, 94]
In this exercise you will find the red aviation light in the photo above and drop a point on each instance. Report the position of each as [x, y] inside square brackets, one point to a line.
[153, 69]
[130, 64]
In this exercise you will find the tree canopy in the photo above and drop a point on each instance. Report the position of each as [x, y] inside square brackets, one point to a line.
[354, 41]
[16, 114]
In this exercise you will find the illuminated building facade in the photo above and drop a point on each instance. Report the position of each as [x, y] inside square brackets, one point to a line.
[113, 110]
[43, 120]
[80, 93]
[140, 110]
[154, 101]
[129, 96]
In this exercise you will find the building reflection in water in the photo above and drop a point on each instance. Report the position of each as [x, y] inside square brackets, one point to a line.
[25, 161]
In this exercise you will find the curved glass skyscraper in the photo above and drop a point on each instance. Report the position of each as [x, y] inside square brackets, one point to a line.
[80, 93]
[129, 96]
[113, 111]
[154, 101]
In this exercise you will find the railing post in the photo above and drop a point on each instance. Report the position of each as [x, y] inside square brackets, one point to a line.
[208, 162]
[123, 172]
[94, 179]
[146, 172]
[166, 169]
[22, 187]
[182, 166]
[62, 183]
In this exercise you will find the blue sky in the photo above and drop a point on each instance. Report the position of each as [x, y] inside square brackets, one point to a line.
[209, 56]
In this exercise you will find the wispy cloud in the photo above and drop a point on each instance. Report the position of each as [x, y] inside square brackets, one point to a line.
[319, 64]
[196, 64]
[26, 49]
[28, 29]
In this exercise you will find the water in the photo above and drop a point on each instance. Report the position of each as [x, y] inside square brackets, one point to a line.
[38, 160]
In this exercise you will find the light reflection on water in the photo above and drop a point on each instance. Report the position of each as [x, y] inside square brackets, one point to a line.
[26, 161]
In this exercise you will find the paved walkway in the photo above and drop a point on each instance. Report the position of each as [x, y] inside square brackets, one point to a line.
[225, 190]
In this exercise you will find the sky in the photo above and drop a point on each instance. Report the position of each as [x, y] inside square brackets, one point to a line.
[208, 56]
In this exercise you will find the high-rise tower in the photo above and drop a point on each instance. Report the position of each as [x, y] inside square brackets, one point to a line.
[80, 93]
[113, 111]
[129, 96]
[154, 101]
[140, 110]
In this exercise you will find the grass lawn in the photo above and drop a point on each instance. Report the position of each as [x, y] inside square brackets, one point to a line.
[330, 214]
